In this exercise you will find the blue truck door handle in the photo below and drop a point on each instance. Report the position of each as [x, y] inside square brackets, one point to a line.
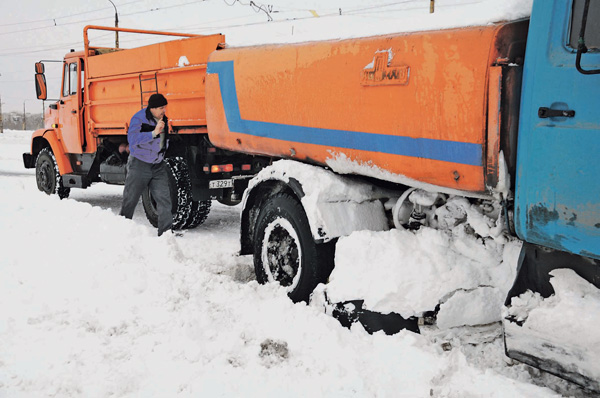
[544, 113]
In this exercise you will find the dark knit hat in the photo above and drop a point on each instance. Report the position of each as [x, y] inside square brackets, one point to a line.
[156, 101]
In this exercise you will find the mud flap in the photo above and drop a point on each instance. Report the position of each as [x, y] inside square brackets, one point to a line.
[566, 359]
[350, 312]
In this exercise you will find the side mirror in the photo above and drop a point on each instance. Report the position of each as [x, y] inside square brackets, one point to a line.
[39, 67]
[40, 86]
[40, 81]
[581, 47]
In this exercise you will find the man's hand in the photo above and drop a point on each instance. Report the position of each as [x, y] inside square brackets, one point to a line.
[160, 126]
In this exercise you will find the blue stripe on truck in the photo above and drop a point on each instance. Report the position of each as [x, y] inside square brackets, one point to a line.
[447, 151]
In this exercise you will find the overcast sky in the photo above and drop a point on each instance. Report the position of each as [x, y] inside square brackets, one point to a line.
[33, 30]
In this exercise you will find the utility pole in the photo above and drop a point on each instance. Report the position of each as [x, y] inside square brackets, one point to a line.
[1, 118]
[116, 25]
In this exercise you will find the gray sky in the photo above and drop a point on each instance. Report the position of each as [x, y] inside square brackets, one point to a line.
[33, 30]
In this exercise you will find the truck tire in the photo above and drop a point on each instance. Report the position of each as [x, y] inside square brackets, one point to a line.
[198, 214]
[285, 251]
[47, 175]
[181, 195]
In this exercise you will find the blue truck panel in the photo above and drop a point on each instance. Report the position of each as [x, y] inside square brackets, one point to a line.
[558, 173]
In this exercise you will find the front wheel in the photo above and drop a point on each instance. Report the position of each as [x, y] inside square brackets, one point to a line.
[47, 176]
[285, 251]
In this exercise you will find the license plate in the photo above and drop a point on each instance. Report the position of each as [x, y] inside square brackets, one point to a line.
[216, 184]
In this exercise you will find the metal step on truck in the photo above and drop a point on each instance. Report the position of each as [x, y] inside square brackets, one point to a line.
[505, 114]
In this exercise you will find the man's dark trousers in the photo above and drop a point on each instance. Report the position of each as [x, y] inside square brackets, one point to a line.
[141, 175]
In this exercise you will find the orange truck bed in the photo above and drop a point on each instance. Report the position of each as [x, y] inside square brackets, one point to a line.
[415, 105]
[119, 83]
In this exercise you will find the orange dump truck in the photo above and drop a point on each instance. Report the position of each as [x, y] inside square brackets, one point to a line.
[85, 134]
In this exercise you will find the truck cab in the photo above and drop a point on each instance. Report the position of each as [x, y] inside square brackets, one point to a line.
[557, 193]
[70, 108]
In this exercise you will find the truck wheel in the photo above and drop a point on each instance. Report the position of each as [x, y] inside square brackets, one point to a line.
[47, 175]
[198, 214]
[181, 195]
[285, 251]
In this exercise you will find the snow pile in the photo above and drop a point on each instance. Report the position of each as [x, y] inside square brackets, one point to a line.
[562, 328]
[572, 295]
[470, 266]
[467, 265]
[94, 305]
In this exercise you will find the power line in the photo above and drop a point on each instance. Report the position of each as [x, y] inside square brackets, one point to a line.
[48, 49]
[97, 19]
[267, 9]
[257, 8]
[66, 16]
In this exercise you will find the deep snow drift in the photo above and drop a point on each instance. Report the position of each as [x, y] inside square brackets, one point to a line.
[95, 305]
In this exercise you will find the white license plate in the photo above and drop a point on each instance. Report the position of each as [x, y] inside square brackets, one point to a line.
[215, 184]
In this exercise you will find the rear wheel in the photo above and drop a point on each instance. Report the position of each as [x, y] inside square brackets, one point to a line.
[285, 251]
[198, 213]
[181, 195]
[47, 176]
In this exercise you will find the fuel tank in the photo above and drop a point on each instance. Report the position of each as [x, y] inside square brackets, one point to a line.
[416, 108]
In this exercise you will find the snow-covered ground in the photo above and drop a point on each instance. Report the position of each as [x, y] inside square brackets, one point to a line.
[94, 305]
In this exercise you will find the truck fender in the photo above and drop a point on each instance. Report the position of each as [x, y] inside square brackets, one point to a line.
[359, 205]
[44, 138]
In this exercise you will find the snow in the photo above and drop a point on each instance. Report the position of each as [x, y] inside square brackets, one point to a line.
[412, 271]
[328, 198]
[544, 317]
[341, 163]
[95, 305]
[573, 294]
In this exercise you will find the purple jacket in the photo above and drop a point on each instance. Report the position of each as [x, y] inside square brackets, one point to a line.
[141, 144]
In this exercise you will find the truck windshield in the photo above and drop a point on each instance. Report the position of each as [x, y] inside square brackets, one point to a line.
[592, 28]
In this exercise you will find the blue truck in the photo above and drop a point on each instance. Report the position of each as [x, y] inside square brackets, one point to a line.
[557, 193]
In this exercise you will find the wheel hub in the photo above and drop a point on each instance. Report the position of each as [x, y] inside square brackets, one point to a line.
[45, 176]
[282, 255]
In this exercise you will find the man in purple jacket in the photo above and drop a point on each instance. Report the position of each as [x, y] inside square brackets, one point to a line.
[147, 136]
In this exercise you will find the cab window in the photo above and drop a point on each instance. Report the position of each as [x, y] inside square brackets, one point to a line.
[70, 80]
[592, 27]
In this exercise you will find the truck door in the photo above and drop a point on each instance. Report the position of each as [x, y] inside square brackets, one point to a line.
[70, 127]
[558, 168]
